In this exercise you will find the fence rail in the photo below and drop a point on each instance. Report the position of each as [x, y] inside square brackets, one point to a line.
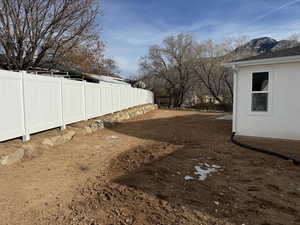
[33, 103]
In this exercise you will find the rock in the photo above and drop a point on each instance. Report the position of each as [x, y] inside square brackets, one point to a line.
[68, 136]
[57, 140]
[107, 121]
[126, 116]
[88, 130]
[12, 158]
[97, 125]
[60, 139]
[139, 112]
[131, 114]
[28, 149]
[48, 142]
[117, 119]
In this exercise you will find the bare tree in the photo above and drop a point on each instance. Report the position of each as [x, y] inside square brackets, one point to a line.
[35, 31]
[89, 57]
[294, 37]
[108, 67]
[183, 68]
[171, 64]
[217, 79]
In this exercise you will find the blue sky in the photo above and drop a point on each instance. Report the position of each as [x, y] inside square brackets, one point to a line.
[129, 27]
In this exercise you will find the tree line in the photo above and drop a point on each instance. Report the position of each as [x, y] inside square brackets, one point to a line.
[182, 67]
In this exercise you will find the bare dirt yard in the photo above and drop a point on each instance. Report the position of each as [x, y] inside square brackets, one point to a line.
[152, 170]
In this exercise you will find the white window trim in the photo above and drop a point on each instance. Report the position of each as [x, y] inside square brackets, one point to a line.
[269, 92]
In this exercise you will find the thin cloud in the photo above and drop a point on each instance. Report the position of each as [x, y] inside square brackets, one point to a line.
[275, 10]
[127, 46]
[129, 35]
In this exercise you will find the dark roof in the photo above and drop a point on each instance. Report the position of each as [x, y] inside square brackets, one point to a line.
[281, 53]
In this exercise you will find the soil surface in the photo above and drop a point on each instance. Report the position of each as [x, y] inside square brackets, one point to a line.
[142, 172]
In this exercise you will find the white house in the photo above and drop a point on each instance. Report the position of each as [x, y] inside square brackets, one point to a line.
[267, 95]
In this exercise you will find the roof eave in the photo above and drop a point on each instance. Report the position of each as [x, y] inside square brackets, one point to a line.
[286, 59]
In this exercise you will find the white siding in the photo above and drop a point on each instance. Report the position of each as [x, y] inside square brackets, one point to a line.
[282, 120]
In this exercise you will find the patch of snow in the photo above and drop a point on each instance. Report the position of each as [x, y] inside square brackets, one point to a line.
[216, 166]
[226, 117]
[203, 173]
[203, 170]
[189, 178]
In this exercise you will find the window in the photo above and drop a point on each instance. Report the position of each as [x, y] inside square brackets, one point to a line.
[260, 92]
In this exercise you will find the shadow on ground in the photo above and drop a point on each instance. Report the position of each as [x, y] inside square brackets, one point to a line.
[146, 185]
[252, 189]
[192, 128]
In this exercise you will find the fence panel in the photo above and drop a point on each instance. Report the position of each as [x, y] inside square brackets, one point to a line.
[127, 97]
[43, 106]
[124, 97]
[119, 98]
[131, 99]
[106, 98]
[73, 98]
[115, 97]
[136, 96]
[11, 99]
[93, 100]
[112, 97]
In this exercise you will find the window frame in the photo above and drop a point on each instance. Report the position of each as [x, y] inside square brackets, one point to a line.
[269, 92]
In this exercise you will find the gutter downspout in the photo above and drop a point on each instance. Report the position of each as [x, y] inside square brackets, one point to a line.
[235, 86]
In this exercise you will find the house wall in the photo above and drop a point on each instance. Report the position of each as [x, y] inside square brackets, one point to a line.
[282, 120]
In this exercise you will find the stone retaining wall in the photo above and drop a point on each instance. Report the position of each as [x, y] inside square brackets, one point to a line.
[81, 128]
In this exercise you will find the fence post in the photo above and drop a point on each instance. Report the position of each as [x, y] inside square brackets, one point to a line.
[120, 98]
[112, 98]
[84, 100]
[25, 137]
[100, 110]
[63, 125]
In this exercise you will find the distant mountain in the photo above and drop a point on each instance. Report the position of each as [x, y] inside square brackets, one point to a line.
[266, 44]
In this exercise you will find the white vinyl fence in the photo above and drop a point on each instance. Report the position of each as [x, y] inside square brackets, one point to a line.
[31, 103]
